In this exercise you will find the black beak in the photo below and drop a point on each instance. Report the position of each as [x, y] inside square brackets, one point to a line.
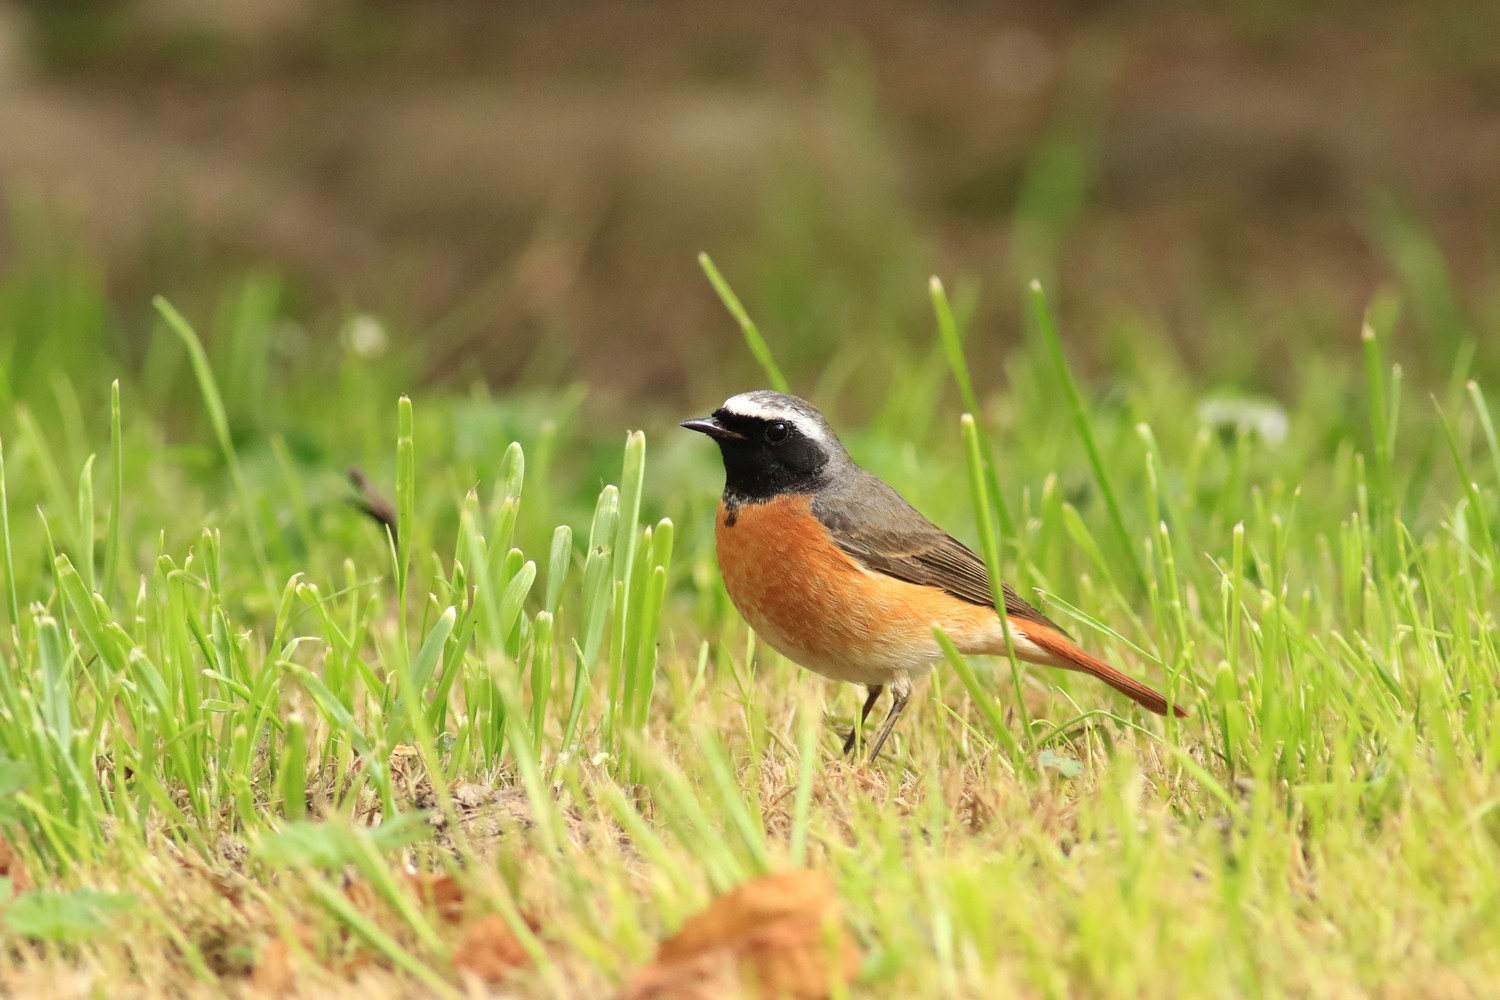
[711, 427]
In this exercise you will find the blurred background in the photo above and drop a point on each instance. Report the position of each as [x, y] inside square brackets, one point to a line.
[516, 193]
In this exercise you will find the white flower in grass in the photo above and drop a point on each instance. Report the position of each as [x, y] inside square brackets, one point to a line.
[365, 336]
[1246, 415]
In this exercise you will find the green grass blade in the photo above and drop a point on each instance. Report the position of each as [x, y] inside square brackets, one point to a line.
[983, 701]
[219, 420]
[1085, 427]
[406, 518]
[7, 558]
[294, 769]
[989, 548]
[86, 546]
[112, 553]
[759, 349]
[953, 350]
[559, 559]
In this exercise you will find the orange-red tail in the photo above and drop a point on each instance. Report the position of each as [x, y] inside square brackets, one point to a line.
[1059, 652]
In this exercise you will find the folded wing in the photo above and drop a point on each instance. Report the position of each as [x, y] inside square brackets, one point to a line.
[890, 536]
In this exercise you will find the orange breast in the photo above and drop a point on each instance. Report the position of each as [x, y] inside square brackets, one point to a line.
[817, 606]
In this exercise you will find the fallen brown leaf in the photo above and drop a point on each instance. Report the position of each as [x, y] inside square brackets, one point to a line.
[273, 974]
[441, 892]
[775, 932]
[709, 976]
[403, 756]
[490, 949]
[749, 905]
[13, 868]
[791, 958]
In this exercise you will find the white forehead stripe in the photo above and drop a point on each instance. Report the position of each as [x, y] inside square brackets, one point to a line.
[747, 405]
[755, 404]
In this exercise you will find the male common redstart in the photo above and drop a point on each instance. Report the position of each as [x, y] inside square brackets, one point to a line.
[836, 571]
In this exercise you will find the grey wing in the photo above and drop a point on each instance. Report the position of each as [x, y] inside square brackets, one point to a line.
[875, 525]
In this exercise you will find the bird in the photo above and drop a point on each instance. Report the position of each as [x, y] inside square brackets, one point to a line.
[836, 571]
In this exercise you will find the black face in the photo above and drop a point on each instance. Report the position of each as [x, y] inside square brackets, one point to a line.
[764, 457]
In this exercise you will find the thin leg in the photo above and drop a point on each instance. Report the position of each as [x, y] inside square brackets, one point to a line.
[900, 692]
[864, 714]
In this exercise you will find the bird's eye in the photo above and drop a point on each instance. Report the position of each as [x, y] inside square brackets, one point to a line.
[777, 432]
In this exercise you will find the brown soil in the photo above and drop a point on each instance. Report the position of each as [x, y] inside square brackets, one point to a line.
[503, 175]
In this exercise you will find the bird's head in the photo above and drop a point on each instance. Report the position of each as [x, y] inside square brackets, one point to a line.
[773, 444]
